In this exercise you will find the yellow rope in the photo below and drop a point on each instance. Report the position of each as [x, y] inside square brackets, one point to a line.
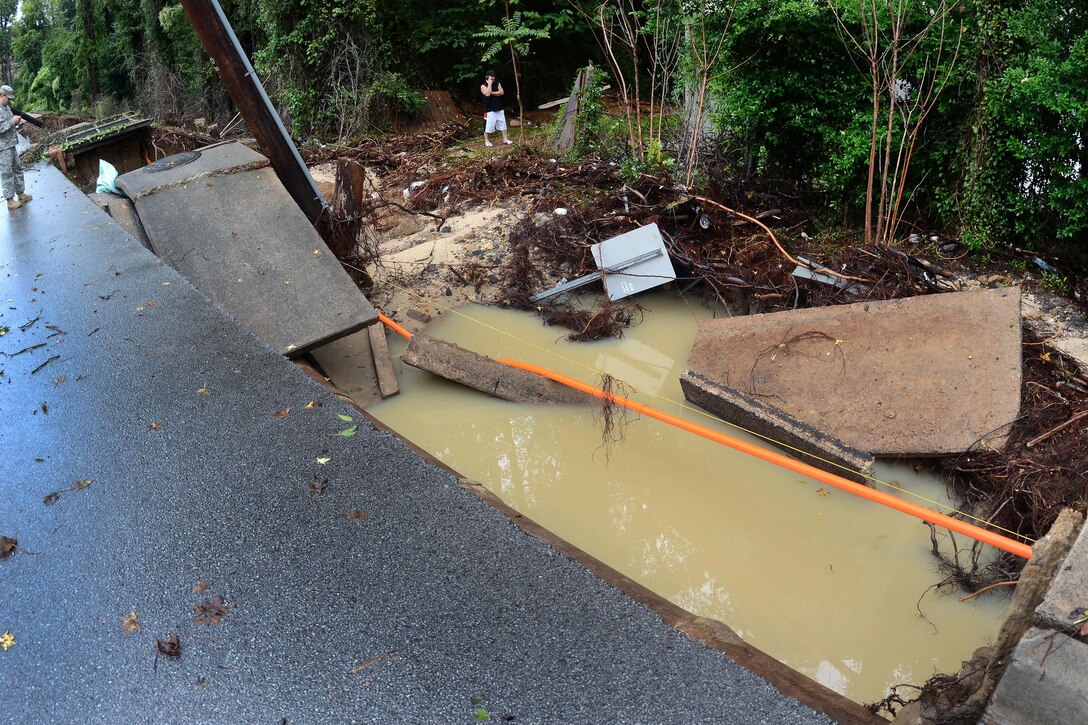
[938, 505]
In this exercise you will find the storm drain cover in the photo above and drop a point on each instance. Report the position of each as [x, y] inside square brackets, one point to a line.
[170, 162]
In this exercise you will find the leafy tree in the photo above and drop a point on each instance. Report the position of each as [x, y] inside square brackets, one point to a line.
[8, 8]
[1026, 175]
[515, 33]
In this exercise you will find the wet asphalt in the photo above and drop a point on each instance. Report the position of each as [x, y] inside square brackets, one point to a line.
[366, 584]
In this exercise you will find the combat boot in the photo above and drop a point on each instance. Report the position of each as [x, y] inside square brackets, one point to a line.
[24, 198]
[14, 203]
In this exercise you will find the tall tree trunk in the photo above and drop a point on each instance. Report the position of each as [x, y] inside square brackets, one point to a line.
[86, 11]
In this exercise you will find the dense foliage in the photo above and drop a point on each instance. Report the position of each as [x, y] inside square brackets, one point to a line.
[986, 102]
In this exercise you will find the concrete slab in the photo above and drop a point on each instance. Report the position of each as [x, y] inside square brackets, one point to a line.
[121, 210]
[924, 376]
[1067, 597]
[411, 614]
[801, 441]
[228, 225]
[459, 365]
[1043, 684]
[219, 159]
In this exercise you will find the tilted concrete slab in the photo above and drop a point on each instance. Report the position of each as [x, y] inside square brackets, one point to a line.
[800, 440]
[121, 210]
[1043, 684]
[1067, 596]
[224, 220]
[924, 376]
[459, 365]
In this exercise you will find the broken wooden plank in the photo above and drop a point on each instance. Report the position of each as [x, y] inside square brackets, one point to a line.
[383, 366]
[480, 372]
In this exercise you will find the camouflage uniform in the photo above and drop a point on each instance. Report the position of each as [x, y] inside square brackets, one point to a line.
[11, 171]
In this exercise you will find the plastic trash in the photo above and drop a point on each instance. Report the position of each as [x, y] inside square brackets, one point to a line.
[107, 178]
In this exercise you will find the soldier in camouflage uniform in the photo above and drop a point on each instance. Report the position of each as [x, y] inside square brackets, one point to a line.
[11, 171]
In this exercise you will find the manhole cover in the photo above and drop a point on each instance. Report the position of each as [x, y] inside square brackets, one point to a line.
[170, 162]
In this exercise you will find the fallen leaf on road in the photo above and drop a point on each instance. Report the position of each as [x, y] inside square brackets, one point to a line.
[345, 418]
[202, 391]
[281, 414]
[7, 640]
[349, 432]
[212, 610]
[322, 461]
[131, 623]
[357, 516]
[51, 499]
[310, 405]
[317, 486]
[199, 587]
[57, 381]
[155, 426]
[80, 485]
[7, 545]
[171, 647]
[822, 492]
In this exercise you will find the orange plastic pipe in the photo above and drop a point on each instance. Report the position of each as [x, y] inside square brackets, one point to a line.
[921, 512]
[395, 327]
[885, 499]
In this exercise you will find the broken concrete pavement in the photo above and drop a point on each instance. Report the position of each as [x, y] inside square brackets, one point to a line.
[910, 377]
[754, 416]
[222, 218]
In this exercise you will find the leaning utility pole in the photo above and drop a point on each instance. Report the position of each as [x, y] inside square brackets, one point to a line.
[249, 96]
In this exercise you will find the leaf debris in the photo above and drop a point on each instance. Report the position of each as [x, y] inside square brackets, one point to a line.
[212, 610]
[171, 647]
[131, 623]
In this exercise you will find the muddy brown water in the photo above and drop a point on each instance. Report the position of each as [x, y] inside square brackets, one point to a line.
[828, 583]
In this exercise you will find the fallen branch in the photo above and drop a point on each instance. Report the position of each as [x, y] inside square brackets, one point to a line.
[373, 660]
[35, 370]
[988, 588]
[926, 265]
[781, 249]
[1056, 429]
[30, 323]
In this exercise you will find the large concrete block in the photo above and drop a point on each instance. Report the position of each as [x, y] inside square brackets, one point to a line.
[801, 441]
[224, 220]
[1067, 596]
[923, 376]
[1043, 684]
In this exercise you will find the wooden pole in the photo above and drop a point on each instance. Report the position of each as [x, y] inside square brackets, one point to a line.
[245, 89]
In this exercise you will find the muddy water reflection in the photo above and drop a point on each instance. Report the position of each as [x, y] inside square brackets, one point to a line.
[823, 581]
